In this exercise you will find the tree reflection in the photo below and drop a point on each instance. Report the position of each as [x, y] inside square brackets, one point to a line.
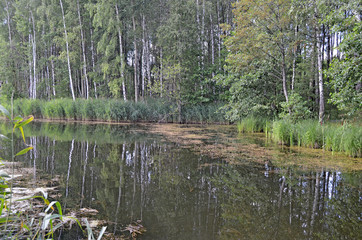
[128, 175]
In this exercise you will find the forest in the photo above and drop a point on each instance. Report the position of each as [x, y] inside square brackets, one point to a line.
[287, 73]
[274, 59]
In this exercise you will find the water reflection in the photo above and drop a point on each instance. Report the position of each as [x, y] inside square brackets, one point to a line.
[128, 174]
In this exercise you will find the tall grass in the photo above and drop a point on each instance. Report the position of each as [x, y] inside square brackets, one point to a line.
[253, 124]
[113, 110]
[336, 137]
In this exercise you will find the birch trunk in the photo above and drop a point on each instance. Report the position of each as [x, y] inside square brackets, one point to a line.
[83, 53]
[135, 64]
[294, 56]
[219, 33]
[34, 57]
[161, 71]
[284, 77]
[212, 44]
[320, 81]
[30, 69]
[144, 55]
[8, 23]
[67, 48]
[93, 61]
[121, 54]
[52, 66]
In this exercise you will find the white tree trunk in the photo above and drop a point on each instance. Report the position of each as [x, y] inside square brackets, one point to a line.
[212, 43]
[53, 73]
[144, 55]
[161, 71]
[34, 57]
[84, 53]
[67, 48]
[219, 33]
[135, 64]
[8, 23]
[30, 69]
[320, 81]
[294, 56]
[121, 54]
[93, 61]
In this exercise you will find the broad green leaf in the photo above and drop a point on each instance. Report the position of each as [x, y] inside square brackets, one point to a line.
[24, 151]
[22, 133]
[17, 119]
[5, 111]
[31, 118]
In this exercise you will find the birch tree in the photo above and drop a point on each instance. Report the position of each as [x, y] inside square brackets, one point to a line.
[67, 49]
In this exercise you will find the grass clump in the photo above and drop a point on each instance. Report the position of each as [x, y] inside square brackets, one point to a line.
[336, 137]
[253, 124]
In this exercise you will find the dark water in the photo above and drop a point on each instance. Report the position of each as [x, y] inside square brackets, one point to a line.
[129, 174]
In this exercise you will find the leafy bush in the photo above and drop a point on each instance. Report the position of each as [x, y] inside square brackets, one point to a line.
[298, 108]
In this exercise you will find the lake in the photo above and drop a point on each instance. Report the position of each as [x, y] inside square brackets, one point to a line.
[198, 182]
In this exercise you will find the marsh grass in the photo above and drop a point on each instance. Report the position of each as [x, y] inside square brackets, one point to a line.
[252, 125]
[113, 110]
[335, 137]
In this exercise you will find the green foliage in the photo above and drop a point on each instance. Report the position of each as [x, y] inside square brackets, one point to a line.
[53, 109]
[150, 110]
[252, 125]
[336, 137]
[346, 74]
[298, 108]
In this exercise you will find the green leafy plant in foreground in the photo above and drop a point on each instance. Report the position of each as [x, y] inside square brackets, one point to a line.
[21, 225]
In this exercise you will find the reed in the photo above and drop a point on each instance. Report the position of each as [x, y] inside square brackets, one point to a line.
[335, 137]
[150, 110]
[253, 124]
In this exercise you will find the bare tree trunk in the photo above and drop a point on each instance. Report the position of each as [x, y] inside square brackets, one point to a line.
[219, 34]
[212, 43]
[294, 56]
[93, 61]
[202, 35]
[30, 69]
[84, 53]
[52, 65]
[121, 54]
[135, 64]
[284, 77]
[161, 71]
[320, 82]
[144, 55]
[8, 23]
[67, 48]
[34, 57]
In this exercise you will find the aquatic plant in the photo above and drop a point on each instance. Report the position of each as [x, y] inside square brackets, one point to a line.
[253, 124]
[149, 110]
[21, 224]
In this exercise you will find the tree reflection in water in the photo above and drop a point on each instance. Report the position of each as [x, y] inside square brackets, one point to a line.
[130, 175]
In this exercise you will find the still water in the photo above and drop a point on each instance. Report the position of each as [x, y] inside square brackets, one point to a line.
[177, 191]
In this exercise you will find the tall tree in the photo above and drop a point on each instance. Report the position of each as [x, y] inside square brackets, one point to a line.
[67, 49]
